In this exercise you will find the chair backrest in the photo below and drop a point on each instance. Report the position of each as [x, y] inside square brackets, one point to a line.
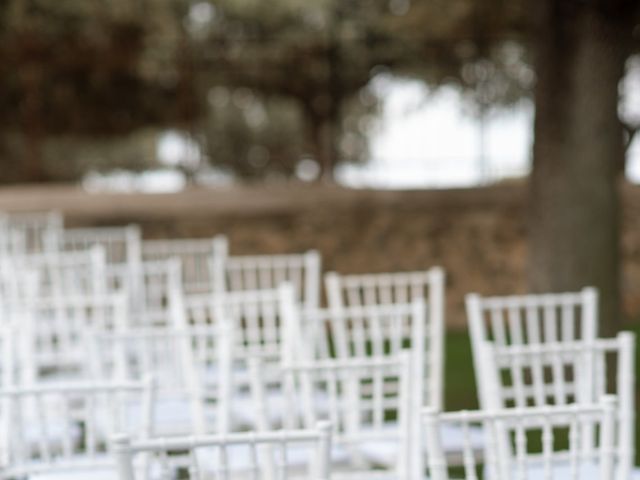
[255, 320]
[524, 443]
[567, 373]
[69, 273]
[530, 319]
[385, 288]
[366, 400]
[195, 256]
[192, 368]
[9, 355]
[54, 331]
[255, 317]
[33, 229]
[269, 456]
[161, 291]
[366, 331]
[344, 291]
[54, 428]
[18, 289]
[154, 290]
[12, 242]
[267, 272]
[121, 244]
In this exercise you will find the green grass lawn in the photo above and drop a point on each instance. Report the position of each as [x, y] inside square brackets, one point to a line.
[459, 378]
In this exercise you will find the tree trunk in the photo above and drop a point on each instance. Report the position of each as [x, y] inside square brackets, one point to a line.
[579, 145]
[33, 135]
[323, 134]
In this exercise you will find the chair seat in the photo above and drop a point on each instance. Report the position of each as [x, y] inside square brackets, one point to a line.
[384, 452]
[97, 468]
[172, 415]
[560, 470]
[80, 474]
[239, 458]
[57, 432]
[243, 408]
[453, 438]
[100, 467]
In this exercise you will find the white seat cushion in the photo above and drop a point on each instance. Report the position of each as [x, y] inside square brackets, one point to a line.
[560, 470]
[92, 473]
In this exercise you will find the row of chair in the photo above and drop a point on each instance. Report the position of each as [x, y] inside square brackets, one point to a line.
[165, 349]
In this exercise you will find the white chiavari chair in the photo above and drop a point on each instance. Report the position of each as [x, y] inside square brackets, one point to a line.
[195, 256]
[365, 290]
[192, 368]
[52, 335]
[68, 273]
[154, 290]
[9, 356]
[61, 431]
[18, 290]
[370, 403]
[366, 331]
[267, 272]
[33, 230]
[532, 443]
[255, 319]
[255, 316]
[121, 244]
[11, 242]
[386, 288]
[237, 456]
[530, 319]
[565, 373]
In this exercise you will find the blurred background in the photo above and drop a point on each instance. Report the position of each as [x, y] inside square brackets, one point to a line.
[495, 138]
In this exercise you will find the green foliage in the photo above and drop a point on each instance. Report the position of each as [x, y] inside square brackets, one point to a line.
[256, 136]
[73, 67]
[251, 136]
[86, 68]
[69, 158]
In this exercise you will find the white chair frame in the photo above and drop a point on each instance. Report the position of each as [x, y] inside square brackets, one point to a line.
[18, 291]
[12, 242]
[255, 320]
[70, 425]
[32, 229]
[508, 453]
[54, 331]
[365, 290]
[154, 288]
[266, 454]
[65, 273]
[356, 396]
[255, 316]
[267, 272]
[121, 244]
[568, 373]
[182, 362]
[530, 319]
[366, 331]
[385, 288]
[195, 256]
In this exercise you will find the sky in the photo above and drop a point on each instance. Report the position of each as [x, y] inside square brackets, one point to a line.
[428, 140]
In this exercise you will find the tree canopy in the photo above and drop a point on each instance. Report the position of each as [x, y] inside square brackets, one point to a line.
[87, 69]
